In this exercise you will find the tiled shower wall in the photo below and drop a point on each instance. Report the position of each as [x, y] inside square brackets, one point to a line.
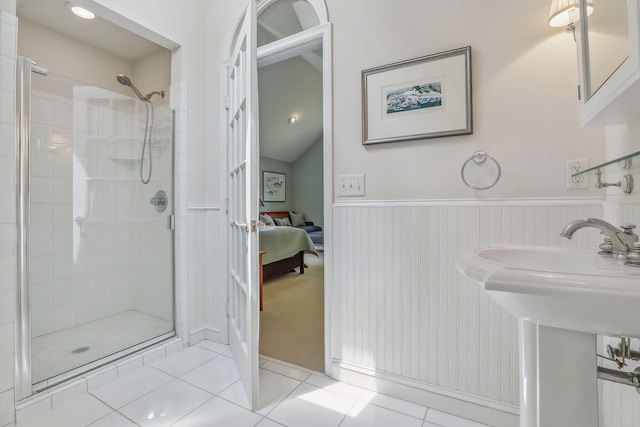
[401, 309]
[144, 290]
[8, 46]
[97, 246]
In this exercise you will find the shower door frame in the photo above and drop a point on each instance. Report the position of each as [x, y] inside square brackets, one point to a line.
[24, 388]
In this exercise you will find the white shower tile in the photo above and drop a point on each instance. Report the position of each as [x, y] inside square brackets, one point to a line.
[7, 143]
[7, 73]
[6, 373]
[6, 240]
[7, 403]
[41, 242]
[7, 208]
[8, 35]
[7, 269]
[41, 269]
[7, 172]
[7, 304]
[7, 106]
[6, 340]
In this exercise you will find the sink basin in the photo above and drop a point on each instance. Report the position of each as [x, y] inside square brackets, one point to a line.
[572, 289]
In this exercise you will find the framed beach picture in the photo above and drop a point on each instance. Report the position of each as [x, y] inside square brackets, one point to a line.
[274, 186]
[426, 97]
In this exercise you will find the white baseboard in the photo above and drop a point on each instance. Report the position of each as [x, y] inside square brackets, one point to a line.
[481, 410]
[207, 333]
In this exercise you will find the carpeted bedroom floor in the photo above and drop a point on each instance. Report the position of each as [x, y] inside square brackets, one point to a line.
[292, 322]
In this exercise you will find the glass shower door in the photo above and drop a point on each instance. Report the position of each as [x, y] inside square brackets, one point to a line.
[100, 279]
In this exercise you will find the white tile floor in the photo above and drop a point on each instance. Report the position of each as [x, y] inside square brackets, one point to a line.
[200, 386]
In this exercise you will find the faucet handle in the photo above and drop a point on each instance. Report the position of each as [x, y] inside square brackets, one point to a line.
[628, 228]
[606, 247]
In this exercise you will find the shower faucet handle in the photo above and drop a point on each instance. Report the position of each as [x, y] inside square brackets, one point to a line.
[160, 201]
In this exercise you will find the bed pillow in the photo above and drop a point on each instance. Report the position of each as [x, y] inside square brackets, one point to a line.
[296, 219]
[282, 221]
[267, 219]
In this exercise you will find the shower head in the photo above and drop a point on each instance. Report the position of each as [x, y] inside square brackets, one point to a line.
[126, 81]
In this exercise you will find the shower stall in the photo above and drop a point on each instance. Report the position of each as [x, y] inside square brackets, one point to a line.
[95, 227]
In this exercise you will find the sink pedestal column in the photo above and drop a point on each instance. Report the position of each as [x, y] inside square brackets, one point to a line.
[558, 377]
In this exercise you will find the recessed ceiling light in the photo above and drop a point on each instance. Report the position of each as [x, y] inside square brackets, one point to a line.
[80, 11]
[292, 119]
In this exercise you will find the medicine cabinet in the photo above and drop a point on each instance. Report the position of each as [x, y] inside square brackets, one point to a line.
[608, 44]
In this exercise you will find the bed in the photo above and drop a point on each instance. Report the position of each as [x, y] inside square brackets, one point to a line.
[284, 249]
[315, 233]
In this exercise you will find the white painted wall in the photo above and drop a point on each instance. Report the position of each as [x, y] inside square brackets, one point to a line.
[524, 97]
[153, 73]
[70, 58]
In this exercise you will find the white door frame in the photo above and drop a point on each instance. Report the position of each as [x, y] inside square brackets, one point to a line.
[279, 51]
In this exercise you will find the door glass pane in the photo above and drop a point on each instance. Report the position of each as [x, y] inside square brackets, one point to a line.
[284, 18]
[100, 254]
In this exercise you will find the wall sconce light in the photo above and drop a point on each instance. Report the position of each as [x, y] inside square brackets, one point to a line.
[565, 12]
[292, 119]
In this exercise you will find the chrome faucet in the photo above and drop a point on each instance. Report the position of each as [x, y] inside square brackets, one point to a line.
[621, 240]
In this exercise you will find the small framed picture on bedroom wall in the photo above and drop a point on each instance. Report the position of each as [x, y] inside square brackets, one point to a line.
[274, 187]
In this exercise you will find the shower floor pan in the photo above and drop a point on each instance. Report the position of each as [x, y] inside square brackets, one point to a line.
[62, 351]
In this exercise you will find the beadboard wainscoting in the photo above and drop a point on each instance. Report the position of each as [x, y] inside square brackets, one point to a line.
[403, 313]
[207, 264]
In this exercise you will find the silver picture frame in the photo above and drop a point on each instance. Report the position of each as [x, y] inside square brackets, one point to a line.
[426, 97]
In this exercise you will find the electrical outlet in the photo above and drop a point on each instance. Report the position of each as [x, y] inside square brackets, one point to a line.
[573, 167]
[351, 185]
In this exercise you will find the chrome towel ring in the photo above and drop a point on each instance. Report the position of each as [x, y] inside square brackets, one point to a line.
[479, 157]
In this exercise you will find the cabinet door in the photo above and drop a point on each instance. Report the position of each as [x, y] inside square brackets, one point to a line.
[609, 66]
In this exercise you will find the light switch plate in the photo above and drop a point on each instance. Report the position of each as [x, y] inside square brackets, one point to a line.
[351, 185]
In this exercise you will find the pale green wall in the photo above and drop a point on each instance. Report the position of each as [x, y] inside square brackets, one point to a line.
[307, 192]
[304, 184]
[272, 165]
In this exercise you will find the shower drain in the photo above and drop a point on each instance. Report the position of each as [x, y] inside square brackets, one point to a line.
[81, 349]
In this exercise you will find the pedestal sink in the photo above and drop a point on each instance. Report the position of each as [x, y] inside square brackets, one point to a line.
[563, 299]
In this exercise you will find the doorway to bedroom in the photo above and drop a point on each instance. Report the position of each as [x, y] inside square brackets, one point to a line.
[291, 177]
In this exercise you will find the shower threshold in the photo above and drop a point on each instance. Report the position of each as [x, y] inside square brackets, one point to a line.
[67, 353]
